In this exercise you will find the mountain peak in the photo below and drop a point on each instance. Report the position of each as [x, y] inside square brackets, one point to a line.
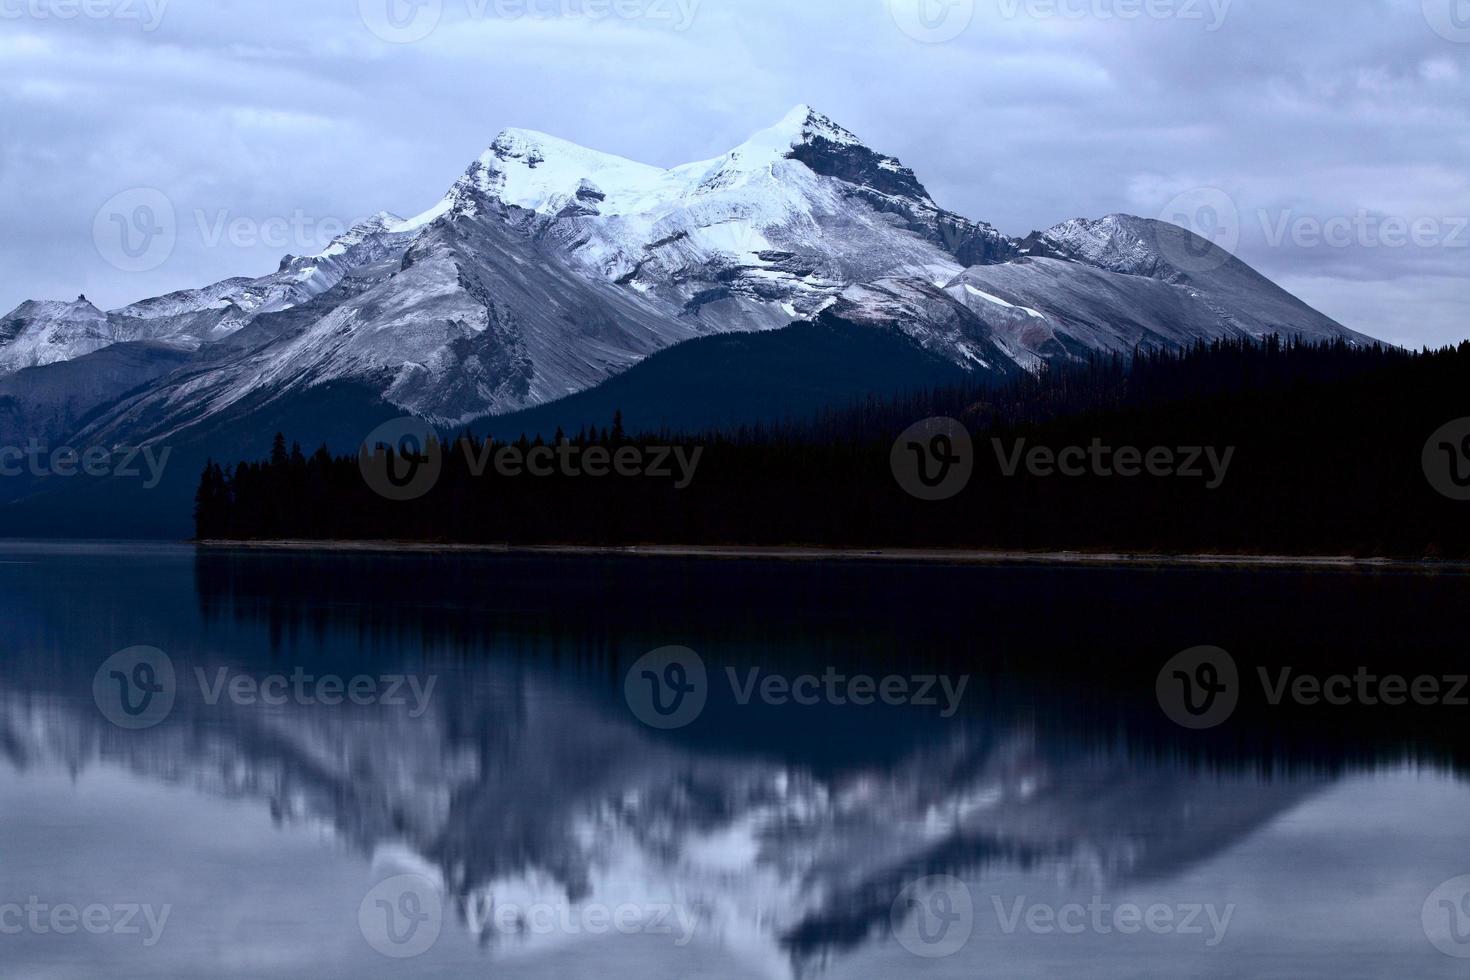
[814, 139]
[802, 126]
[1131, 245]
[79, 307]
[535, 170]
[41, 332]
[383, 222]
[517, 142]
[809, 124]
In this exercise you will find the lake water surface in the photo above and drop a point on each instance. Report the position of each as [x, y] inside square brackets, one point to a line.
[511, 788]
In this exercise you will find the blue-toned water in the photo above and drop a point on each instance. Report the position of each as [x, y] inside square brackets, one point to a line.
[495, 797]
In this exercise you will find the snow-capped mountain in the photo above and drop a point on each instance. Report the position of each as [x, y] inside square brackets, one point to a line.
[39, 333]
[766, 233]
[548, 268]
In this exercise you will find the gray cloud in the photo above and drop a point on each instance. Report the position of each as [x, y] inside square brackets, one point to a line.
[291, 119]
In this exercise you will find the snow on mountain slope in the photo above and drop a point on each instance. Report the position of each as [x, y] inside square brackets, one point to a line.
[41, 333]
[548, 267]
[1123, 282]
[37, 333]
[1118, 243]
[185, 301]
[199, 316]
[473, 318]
[934, 320]
[764, 234]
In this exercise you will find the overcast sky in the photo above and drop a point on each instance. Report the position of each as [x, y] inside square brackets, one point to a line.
[1329, 137]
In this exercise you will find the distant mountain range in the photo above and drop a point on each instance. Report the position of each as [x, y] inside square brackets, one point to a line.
[800, 270]
[549, 268]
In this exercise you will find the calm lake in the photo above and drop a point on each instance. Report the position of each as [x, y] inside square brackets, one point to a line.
[257, 764]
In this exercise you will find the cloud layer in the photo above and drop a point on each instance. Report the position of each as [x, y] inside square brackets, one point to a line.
[1327, 137]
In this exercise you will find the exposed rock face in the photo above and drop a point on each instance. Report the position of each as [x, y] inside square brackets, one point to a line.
[548, 268]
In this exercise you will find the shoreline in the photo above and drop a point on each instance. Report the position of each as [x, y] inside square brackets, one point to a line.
[937, 556]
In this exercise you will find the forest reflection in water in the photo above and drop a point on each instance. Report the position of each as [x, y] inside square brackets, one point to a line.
[515, 775]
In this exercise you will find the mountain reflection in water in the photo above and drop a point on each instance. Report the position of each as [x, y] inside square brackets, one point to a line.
[782, 834]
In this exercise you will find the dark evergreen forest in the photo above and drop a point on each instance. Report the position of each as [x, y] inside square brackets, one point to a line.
[1327, 450]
